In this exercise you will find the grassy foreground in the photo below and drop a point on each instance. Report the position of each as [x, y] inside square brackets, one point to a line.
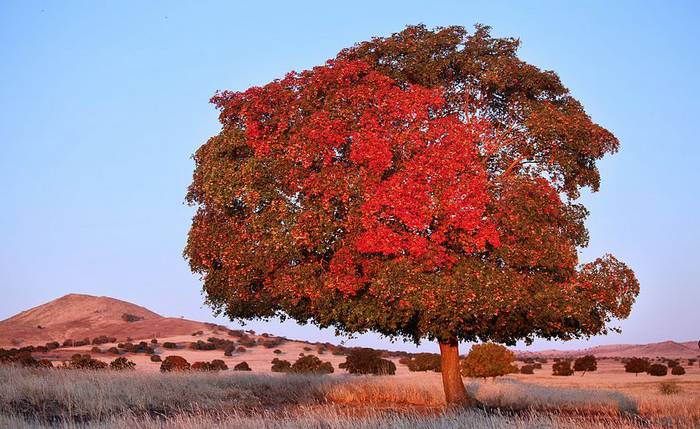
[102, 399]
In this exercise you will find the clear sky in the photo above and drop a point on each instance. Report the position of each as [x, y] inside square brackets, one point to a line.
[103, 103]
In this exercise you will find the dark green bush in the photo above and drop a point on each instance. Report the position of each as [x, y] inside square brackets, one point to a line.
[311, 364]
[367, 361]
[562, 368]
[677, 370]
[121, 364]
[657, 370]
[424, 362]
[527, 369]
[281, 365]
[243, 366]
[174, 363]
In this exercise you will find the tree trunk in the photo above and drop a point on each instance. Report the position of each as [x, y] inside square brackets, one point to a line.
[455, 394]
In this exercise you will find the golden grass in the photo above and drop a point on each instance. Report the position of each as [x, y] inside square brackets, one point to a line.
[85, 399]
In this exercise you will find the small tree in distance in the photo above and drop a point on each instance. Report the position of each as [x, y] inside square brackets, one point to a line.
[585, 363]
[488, 360]
[636, 365]
[562, 368]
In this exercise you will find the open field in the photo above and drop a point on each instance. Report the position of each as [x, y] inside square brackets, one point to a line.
[96, 399]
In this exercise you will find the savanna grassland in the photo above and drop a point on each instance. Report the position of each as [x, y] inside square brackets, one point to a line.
[128, 399]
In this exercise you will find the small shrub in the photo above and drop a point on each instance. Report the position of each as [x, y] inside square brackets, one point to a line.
[240, 349]
[218, 365]
[85, 361]
[488, 360]
[527, 369]
[127, 317]
[202, 345]
[67, 343]
[156, 358]
[154, 341]
[657, 370]
[112, 350]
[235, 333]
[169, 345]
[307, 349]
[174, 363]
[677, 370]
[637, 365]
[425, 362]
[121, 364]
[367, 361]
[586, 363]
[52, 345]
[672, 363]
[96, 350]
[562, 368]
[667, 388]
[281, 365]
[243, 366]
[536, 365]
[272, 343]
[194, 334]
[41, 349]
[311, 364]
[277, 352]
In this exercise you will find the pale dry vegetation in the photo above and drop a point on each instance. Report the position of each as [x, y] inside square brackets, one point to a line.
[93, 399]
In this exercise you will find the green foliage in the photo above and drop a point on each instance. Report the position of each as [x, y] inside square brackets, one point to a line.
[657, 370]
[637, 365]
[367, 361]
[562, 368]
[677, 370]
[156, 358]
[169, 345]
[130, 318]
[281, 365]
[174, 363]
[311, 364]
[424, 362]
[243, 366]
[586, 363]
[488, 360]
[121, 364]
[527, 369]
[85, 361]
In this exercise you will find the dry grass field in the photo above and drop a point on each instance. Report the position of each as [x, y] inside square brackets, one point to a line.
[105, 399]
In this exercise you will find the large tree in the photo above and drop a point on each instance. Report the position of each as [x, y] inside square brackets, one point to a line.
[422, 186]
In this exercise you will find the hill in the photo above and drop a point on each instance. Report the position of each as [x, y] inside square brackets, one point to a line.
[669, 349]
[78, 316]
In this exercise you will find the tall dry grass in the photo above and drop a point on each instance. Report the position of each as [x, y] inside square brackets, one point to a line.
[90, 399]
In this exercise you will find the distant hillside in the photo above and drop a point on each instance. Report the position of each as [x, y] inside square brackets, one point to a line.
[78, 316]
[669, 349]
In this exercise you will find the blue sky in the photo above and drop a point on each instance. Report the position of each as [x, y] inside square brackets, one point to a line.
[102, 104]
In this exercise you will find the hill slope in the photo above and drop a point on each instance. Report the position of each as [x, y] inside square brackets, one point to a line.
[78, 316]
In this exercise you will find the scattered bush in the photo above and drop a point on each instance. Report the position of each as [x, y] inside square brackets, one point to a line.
[202, 345]
[667, 388]
[96, 350]
[154, 341]
[307, 349]
[52, 345]
[657, 370]
[127, 317]
[527, 369]
[536, 365]
[156, 358]
[677, 370]
[488, 360]
[637, 365]
[121, 364]
[241, 349]
[174, 363]
[672, 363]
[235, 333]
[272, 342]
[311, 364]
[113, 350]
[141, 347]
[103, 339]
[194, 334]
[367, 361]
[243, 366]
[85, 361]
[585, 363]
[425, 362]
[169, 345]
[247, 341]
[281, 365]
[67, 343]
[81, 343]
[41, 349]
[218, 365]
[562, 368]
[277, 352]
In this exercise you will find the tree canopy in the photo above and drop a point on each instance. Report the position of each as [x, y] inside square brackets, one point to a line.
[421, 185]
